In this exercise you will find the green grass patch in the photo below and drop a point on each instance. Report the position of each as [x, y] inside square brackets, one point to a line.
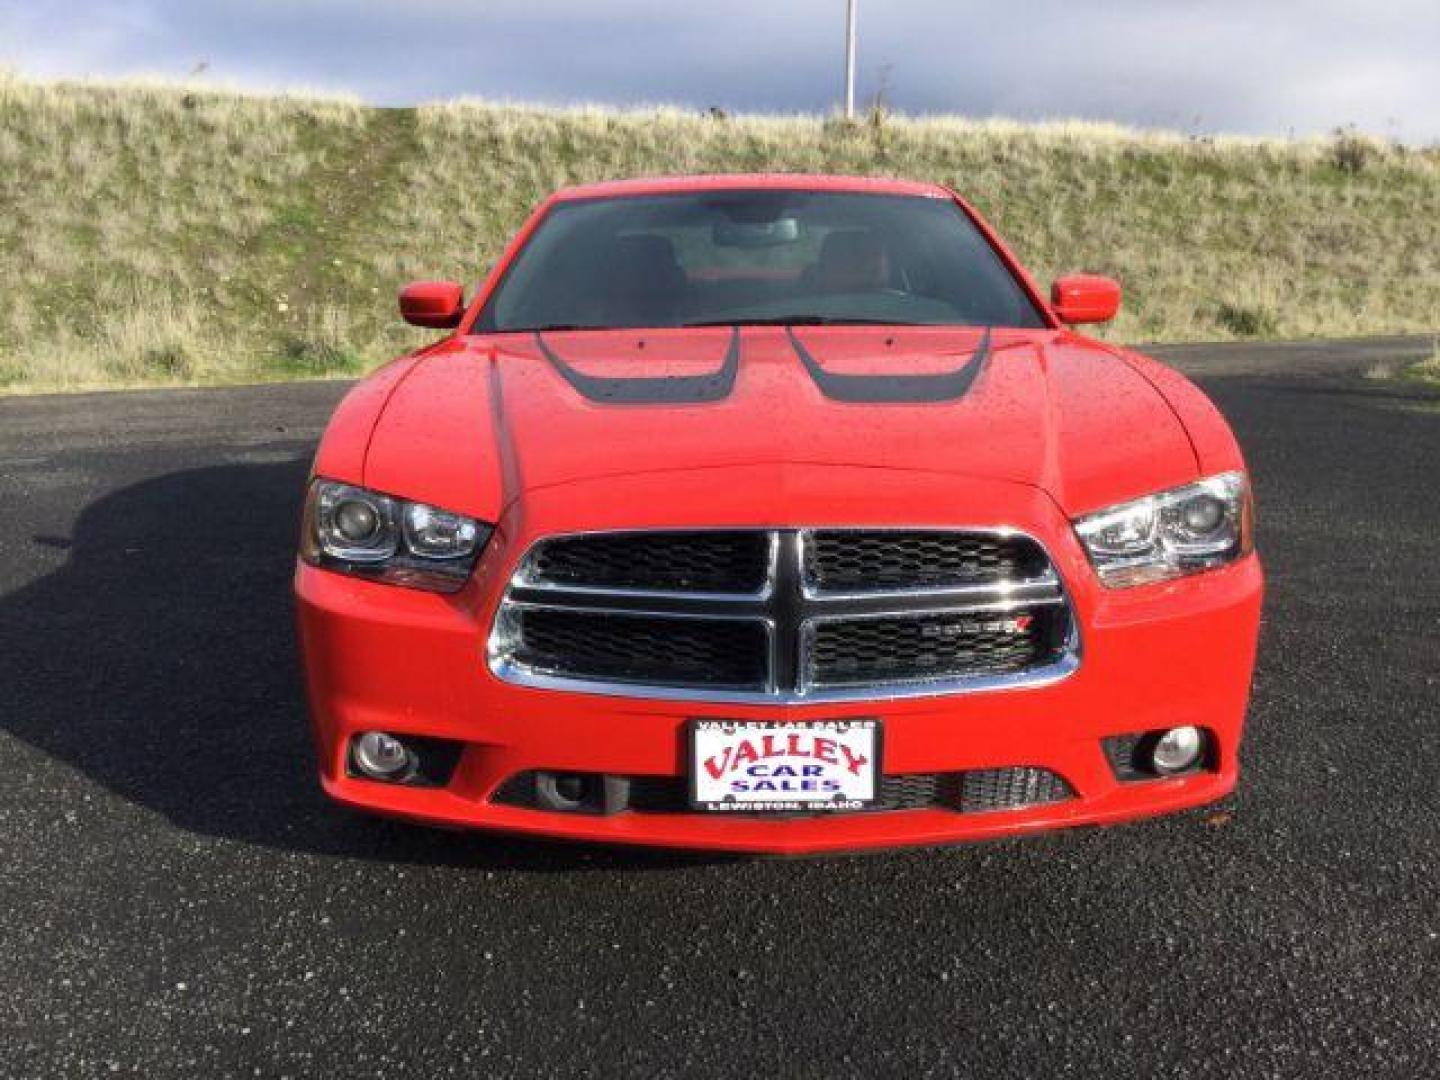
[1428, 369]
[317, 359]
[180, 235]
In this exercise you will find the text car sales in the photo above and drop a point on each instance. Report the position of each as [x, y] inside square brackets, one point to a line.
[752, 763]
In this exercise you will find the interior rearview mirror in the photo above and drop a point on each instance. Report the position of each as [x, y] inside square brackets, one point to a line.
[757, 234]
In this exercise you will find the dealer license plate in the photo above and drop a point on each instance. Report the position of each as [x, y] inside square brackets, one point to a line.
[758, 767]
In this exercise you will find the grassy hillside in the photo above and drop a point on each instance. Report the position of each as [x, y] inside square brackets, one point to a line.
[173, 234]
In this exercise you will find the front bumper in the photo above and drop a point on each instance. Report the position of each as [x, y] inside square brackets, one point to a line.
[379, 657]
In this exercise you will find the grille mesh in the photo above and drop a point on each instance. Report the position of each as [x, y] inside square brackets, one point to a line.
[977, 791]
[860, 561]
[932, 646]
[1123, 753]
[679, 561]
[671, 794]
[628, 648]
[1008, 789]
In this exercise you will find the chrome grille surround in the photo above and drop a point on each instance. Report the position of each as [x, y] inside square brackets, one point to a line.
[789, 605]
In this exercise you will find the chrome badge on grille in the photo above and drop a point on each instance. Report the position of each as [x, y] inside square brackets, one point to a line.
[1018, 624]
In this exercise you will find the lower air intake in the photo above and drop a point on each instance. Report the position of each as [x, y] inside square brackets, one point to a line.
[962, 792]
[1010, 789]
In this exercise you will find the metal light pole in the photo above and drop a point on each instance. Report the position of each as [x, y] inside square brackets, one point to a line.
[850, 59]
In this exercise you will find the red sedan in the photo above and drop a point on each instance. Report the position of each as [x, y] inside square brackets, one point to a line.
[774, 514]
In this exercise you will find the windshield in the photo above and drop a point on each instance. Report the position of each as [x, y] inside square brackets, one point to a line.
[762, 256]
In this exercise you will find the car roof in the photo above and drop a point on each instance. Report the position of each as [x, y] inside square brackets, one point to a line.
[661, 185]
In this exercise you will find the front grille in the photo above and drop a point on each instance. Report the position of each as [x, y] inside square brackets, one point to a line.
[847, 652]
[852, 560]
[605, 645]
[784, 614]
[977, 791]
[720, 562]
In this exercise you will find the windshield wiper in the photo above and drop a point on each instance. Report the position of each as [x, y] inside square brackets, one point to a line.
[777, 320]
[563, 327]
[803, 320]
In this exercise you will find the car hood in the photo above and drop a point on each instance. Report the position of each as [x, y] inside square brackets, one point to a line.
[478, 422]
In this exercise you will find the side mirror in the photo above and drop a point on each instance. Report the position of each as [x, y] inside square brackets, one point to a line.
[1085, 298]
[436, 304]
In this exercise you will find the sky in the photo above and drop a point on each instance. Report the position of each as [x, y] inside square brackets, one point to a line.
[1245, 66]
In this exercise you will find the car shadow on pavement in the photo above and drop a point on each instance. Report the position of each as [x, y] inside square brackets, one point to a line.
[160, 662]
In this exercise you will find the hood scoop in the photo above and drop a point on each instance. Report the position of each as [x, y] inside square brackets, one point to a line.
[895, 389]
[888, 388]
[652, 390]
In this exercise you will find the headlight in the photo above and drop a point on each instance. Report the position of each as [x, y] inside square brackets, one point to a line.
[1177, 532]
[362, 532]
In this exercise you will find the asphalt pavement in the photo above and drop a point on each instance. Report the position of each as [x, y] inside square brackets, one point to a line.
[178, 899]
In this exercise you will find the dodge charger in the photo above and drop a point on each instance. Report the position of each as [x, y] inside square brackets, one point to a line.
[774, 514]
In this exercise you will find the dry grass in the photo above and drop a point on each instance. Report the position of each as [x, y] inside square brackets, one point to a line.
[171, 234]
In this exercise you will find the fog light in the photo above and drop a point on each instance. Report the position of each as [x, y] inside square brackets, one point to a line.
[381, 756]
[1177, 750]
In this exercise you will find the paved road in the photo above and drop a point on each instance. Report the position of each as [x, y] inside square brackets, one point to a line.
[177, 900]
